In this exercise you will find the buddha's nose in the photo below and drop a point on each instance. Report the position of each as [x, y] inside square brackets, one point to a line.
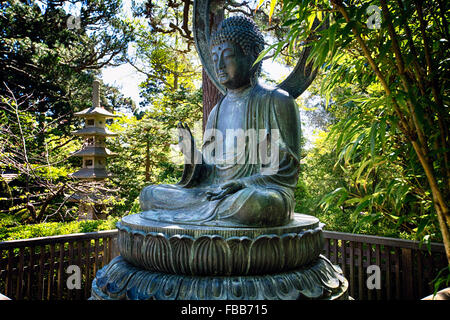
[220, 63]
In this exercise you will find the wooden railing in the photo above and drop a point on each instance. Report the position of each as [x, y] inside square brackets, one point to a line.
[35, 269]
[406, 267]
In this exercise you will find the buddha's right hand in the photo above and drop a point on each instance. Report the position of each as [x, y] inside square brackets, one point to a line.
[225, 189]
[186, 141]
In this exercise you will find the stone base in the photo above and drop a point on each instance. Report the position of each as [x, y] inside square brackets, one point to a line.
[120, 280]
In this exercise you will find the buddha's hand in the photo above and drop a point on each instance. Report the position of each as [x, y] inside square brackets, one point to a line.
[186, 140]
[225, 189]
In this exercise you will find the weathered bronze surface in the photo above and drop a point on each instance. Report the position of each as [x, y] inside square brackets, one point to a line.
[228, 230]
[121, 280]
[247, 185]
[219, 251]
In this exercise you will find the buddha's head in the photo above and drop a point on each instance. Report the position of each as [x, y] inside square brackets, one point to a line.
[235, 46]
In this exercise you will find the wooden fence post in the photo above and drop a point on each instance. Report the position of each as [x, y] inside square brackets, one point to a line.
[407, 274]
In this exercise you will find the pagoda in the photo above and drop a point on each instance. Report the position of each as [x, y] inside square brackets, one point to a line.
[94, 153]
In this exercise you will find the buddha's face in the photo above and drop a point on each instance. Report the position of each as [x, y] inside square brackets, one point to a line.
[232, 66]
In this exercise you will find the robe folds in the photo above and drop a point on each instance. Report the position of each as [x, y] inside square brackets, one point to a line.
[269, 174]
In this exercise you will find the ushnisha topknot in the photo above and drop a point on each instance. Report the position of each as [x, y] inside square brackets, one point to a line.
[239, 30]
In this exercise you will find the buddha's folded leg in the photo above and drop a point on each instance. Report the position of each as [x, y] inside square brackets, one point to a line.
[169, 197]
[175, 204]
[257, 207]
[254, 206]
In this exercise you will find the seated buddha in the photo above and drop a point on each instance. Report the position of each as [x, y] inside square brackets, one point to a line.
[247, 169]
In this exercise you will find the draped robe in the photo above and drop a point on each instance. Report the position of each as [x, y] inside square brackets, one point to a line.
[268, 196]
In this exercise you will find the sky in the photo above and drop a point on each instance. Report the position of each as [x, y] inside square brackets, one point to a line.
[125, 77]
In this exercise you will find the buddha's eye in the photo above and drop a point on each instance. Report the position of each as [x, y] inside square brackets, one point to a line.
[228, 53]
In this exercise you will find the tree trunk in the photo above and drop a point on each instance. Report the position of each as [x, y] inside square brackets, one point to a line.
[211, 94]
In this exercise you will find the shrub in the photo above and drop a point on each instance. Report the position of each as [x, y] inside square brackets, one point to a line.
[8, 232]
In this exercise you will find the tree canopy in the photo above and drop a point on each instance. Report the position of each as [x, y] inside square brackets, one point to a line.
[385, 65]
[46, 73]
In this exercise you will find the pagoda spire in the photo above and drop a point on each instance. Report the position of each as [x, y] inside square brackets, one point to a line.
[94, 152]
[96, 93]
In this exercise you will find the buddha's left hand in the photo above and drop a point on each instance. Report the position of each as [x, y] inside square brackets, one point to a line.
[225, 189]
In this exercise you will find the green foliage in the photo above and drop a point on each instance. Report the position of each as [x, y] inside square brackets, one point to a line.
[46, 73]
[442, 279]
[32, 150]
[52, 63]
[338, 210]
[135, 166]
[54, 228]
[146, 138]
[381, 180]
[48, 69]
[385, 87]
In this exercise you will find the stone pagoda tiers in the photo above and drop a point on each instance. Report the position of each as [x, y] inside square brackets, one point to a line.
[94, 151]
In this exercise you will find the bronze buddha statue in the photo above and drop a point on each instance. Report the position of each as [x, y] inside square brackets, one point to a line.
[251, 185]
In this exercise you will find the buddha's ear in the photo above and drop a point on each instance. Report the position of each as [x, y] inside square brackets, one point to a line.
[256, 50]
[254, 53]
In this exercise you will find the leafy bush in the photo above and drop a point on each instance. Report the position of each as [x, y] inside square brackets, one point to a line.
[320, 193]
[47, 229]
